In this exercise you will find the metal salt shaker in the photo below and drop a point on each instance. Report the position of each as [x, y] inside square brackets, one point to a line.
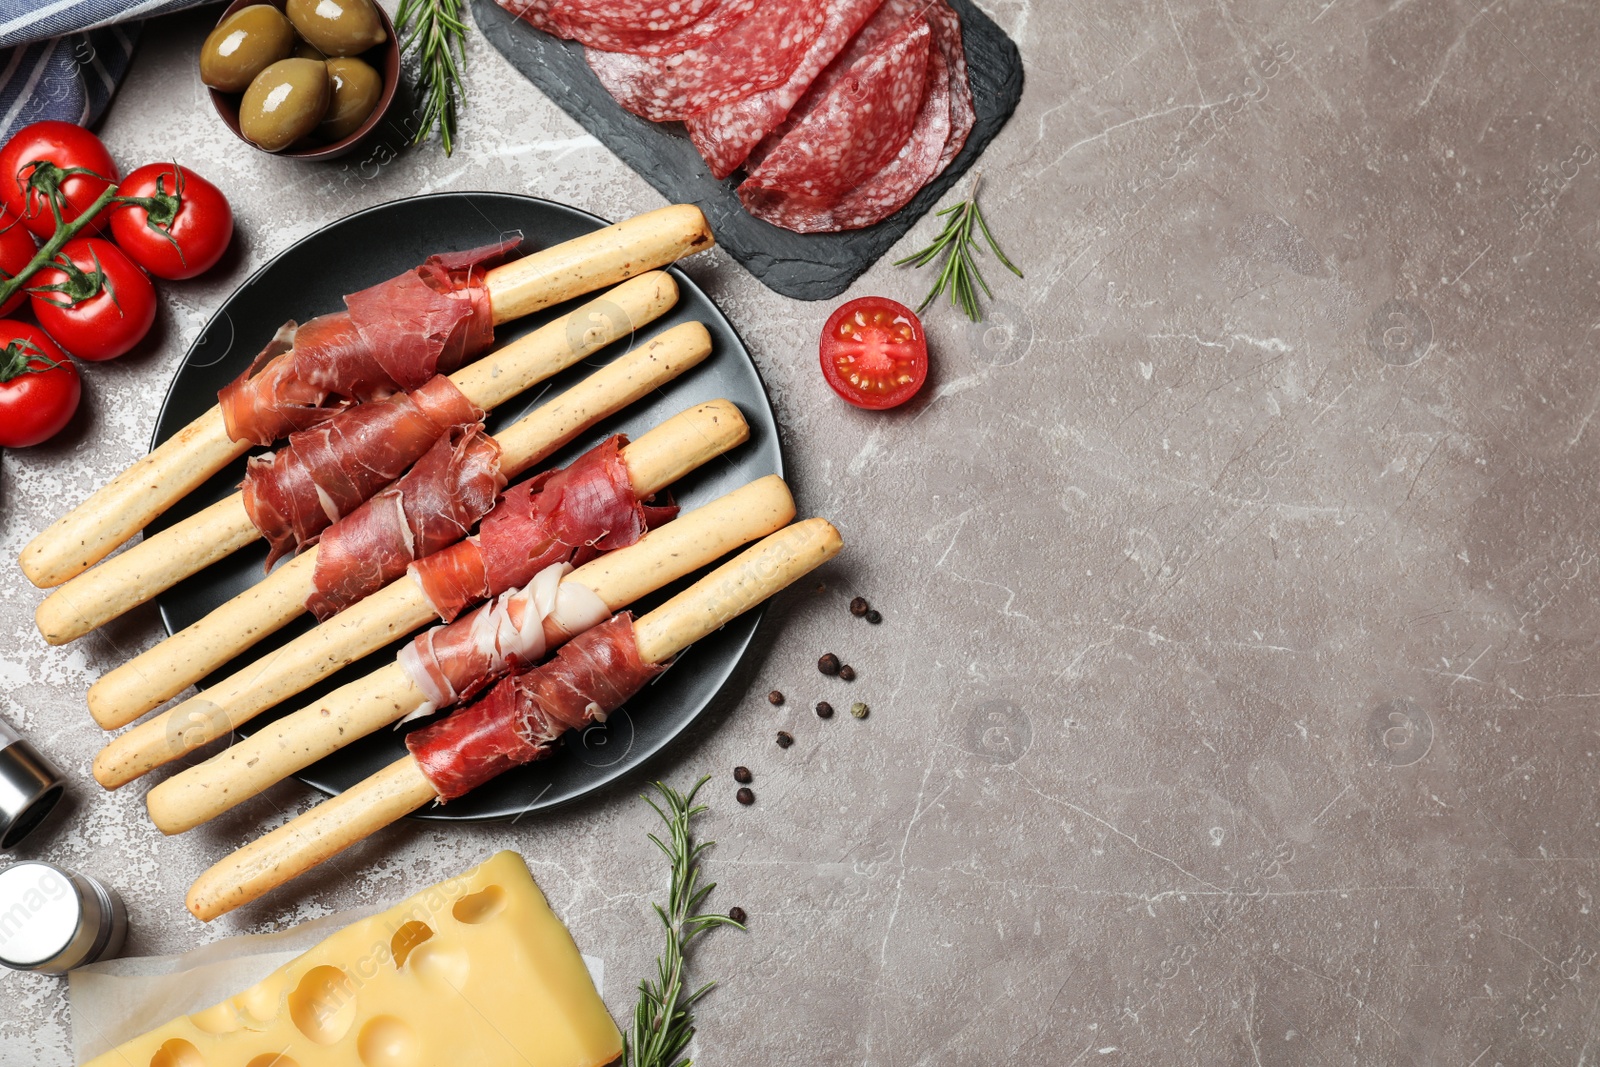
[52, 920]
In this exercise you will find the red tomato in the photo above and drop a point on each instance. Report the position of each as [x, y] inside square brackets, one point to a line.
[182, 231]
[39, 386]
[874, 353]
[68, 147]
[17, 247]
[105, 304]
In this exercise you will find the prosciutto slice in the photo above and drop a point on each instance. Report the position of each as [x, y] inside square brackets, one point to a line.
[571, 515]
[326, 472]
[434, 505]
[523, 717]
[391, 337]
[726, 135]
[856, 128]
[453, 662]
[758, 52]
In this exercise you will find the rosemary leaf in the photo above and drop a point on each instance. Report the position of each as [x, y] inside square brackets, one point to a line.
[958, 245]
[436, 33]
[662, 1023]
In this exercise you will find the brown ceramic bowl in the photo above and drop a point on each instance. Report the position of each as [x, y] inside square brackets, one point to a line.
[385, 59]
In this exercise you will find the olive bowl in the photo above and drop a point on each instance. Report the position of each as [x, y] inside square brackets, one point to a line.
[384, 58]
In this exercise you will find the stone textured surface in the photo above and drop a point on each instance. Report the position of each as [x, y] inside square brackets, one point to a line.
[1235, 698]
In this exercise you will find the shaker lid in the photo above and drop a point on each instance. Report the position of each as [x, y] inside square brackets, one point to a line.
[41, 915]
[29, 788]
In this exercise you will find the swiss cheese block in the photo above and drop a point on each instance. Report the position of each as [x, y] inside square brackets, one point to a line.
[475, 971]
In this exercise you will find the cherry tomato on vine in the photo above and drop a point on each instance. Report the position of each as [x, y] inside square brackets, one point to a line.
[17, 247]
[39, 386]
[874, 353]
[182, 229]
[65, 148]
[98, 304]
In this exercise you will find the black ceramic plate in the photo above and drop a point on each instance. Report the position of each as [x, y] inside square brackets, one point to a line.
[813, 266]
[309, 279]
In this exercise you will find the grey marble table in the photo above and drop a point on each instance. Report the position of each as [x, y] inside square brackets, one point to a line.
[1235, 698]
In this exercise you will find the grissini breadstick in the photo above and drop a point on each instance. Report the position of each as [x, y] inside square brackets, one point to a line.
[125, 505]
[156, 675]
[292, 743]
[401, 788]
[125, 581]
[654, 461]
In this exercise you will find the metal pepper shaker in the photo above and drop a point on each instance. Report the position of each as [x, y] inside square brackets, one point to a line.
[52, 920]
[29, 787]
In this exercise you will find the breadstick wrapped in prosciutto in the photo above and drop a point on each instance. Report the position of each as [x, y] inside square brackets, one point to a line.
[344, 361]
[290, 496]
[442, 496]
[653, 462]
[592, 676]
[454, 662]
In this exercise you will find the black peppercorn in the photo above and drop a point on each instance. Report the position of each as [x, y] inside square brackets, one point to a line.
[744, 796]
[775, 698]
[742, 775]
[785, 739]
[874, 617]
[824, 710]
[847, 673]
[828, 664]
[859, 606]
[737, 915]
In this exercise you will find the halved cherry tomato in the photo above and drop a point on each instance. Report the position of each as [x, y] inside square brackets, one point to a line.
[17, 247]
[102, 304]
[184, 230]
[68, 147]
[39, 386]
[874, 353]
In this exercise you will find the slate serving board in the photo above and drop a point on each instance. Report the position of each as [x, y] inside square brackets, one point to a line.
[803, 266]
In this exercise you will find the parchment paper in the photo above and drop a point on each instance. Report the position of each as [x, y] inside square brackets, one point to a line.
[117, 1000]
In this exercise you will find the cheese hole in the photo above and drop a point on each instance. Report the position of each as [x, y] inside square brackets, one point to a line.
[323, 1005]
[481, 906]
[260, 1004]
[387, 1042]
[217, 1019]
[407, 938]
[177, 1053]
[272, 1059]
[437, 963]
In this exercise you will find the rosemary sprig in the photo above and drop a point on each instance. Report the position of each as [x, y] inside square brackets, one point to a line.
[662, 1021]
[958, 245]
[436, 32]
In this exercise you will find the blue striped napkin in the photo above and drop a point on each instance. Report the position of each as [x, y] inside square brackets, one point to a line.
[63, 59]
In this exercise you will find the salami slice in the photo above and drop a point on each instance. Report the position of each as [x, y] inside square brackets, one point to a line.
[758, 52]
[726, 135]
[885, 192]
[946, 26]
[607, 33]
[856, 127]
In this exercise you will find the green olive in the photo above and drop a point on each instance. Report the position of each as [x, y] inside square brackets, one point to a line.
[337, 27]
[356, 87]
[243, 45]
[284, 103]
